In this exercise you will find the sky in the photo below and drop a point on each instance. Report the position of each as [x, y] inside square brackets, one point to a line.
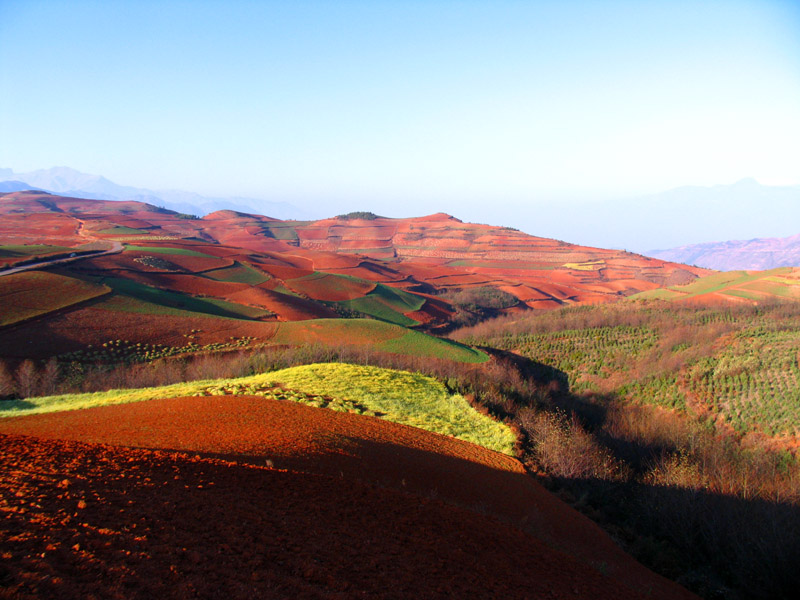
[486, 110]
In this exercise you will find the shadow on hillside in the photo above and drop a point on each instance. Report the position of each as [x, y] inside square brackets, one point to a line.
[540, 373]
[716, 545]
[14, 404]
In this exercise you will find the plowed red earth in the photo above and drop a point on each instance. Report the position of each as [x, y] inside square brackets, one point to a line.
[155, 524]
[73, 330]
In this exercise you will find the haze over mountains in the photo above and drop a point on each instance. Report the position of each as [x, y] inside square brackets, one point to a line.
[690, 224]
[69, 182]
[690, 215]
[757, 254]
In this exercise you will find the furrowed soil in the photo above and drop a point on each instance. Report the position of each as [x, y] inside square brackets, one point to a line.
[243, 496]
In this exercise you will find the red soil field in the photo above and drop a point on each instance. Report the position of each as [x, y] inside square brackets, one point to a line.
[539, 546]
[73, 330]
[126, 260]
[286, 307]
[284, 272]
[330, 287]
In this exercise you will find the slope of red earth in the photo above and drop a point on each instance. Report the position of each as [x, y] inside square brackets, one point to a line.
[328, 527]
[499, 252]
[116, 318]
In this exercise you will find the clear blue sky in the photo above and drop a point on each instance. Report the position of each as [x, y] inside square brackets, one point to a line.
[405, 108]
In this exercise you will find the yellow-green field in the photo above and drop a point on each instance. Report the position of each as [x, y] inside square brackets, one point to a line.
[399, 396]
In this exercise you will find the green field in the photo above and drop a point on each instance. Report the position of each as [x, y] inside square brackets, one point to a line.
[151, 296]
[399, 396]
[388, 304]
[167, 250]
[120, 230]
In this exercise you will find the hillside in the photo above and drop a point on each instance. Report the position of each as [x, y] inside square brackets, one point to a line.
[756, 254]
[235, 275]
[444, 252]
[325, 467]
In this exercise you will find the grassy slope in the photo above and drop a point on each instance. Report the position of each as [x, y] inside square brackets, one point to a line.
[398, 396]
[388, 304]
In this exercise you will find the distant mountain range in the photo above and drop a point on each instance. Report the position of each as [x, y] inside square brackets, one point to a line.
[69, 182]
[757, 254]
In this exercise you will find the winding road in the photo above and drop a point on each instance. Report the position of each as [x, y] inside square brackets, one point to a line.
[116, 248]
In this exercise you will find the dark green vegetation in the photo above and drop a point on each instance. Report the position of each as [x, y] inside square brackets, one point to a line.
[17, 250]
[359, 214]
[20, 254]
[478, 303]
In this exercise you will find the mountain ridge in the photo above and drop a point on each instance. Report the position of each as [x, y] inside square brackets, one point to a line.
[730, 255]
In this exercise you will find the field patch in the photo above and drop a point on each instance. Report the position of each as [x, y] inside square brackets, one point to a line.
[28, 250]
[336, 331]
[209, 306]
[380, 335]
[753, 286]
[166, 250]
[330, 287]
[388, 304]
[238, 273]
[36, 293]
[122, 230]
